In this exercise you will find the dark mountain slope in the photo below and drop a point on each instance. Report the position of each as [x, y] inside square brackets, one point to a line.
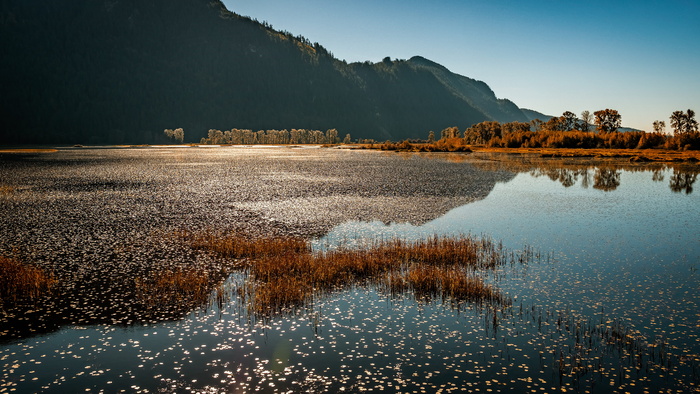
[476, 93]
[120, 71]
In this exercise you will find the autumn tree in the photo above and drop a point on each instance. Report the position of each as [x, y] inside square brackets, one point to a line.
[483, 132]
[449, 132]
[607, 120]
[177, 134]
[332, 136]
[347, 139]
[514, 127]
[431, 137]
[584, 124]
[553, 124]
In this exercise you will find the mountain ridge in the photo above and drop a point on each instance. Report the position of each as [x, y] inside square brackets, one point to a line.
[121, 71]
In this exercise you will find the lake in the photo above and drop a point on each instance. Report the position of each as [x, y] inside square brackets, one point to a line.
[603, 282]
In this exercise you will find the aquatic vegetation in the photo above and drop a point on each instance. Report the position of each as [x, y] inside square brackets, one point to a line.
[178, 286]
[284, 272]
[6, 191]
[20, 281]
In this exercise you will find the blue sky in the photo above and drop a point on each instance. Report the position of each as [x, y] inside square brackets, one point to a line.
[641, 58]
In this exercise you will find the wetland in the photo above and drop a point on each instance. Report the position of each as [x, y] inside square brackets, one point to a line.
[160, 276]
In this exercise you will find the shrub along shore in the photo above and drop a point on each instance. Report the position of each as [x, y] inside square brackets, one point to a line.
[458, 145]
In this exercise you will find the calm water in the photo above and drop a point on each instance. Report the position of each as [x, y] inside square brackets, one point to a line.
[613, 260]
[632, 253]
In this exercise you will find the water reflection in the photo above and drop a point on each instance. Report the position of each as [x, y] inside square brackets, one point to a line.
[601, 175]
[624, 247]
[606, 179]
[683, 181]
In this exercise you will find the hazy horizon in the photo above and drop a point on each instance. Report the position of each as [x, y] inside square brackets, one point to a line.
[639, 58]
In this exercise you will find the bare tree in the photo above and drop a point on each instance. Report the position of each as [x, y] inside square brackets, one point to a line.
[586, 120]
[659, 126]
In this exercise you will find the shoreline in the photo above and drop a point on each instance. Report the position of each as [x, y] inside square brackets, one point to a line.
[640, 155]
[633, 155]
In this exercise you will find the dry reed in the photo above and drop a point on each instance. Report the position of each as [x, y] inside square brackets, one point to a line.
[21, 281]
[6, 191]
[284, 272]
[175, 287]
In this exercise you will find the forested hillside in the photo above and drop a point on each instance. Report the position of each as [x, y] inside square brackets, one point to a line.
[122, 71]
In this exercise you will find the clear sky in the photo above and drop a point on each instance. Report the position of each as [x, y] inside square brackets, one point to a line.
[641, 57]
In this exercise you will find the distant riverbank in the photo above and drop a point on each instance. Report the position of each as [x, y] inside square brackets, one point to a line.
[634, 155]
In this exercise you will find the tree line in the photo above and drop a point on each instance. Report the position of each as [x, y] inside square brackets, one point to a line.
[597, 130]
[281, 137]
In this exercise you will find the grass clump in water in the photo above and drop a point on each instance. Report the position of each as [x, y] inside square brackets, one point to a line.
[6, 191]
[177, 286]
[22, 281]
[284, 272]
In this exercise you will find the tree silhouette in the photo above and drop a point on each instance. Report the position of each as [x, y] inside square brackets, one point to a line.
[569, 120]
[585, 123]
[659, 126]
[684, 123]
[677, 122]
[691, 124]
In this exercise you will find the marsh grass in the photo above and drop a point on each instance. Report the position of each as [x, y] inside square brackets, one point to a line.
[176, 286]
[284, 272]
[22, 281]
[6, 191]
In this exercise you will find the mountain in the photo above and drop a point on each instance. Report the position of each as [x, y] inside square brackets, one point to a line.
[532, 115]
[121, 71]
